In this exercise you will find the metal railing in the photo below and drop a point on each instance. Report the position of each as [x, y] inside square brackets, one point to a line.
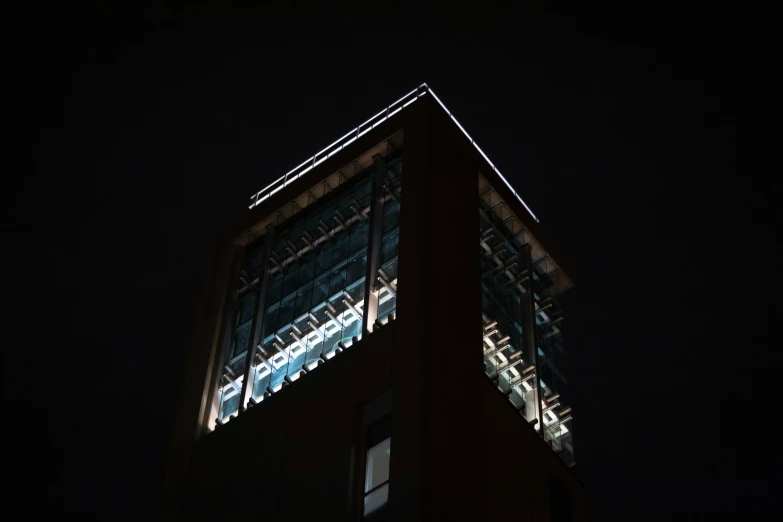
[360, 131]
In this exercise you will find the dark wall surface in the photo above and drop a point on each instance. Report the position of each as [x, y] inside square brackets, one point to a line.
[291, 456]
[520, 468]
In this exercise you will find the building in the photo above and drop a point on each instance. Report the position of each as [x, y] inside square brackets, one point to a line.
[391, 292]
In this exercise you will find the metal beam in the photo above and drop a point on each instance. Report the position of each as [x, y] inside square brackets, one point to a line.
[370, 312]
[211, 406]
[258, 321]
[532, 409]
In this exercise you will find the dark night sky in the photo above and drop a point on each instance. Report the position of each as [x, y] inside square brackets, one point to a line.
[632, 135]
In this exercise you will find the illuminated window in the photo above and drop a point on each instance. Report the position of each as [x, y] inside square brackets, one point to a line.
[387, 272]
[376, 484]
[376, 473]
[523, 322]
[301, 287]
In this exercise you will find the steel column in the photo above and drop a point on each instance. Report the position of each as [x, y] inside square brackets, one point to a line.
[531, 344]
[258, 321]
[370, 312]
[226, 332]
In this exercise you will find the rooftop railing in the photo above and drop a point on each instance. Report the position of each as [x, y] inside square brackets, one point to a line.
[360, 131]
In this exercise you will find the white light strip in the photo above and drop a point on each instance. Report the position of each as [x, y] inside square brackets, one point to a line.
[335, 143]
[504, 179]
[398, 101]
[460, 128]
[516, 194]
[438, 100]
[273, 183]
[308, 169]
[482, 153]
[359, 133]
[305, 162]
[317, 163]
[368, 121]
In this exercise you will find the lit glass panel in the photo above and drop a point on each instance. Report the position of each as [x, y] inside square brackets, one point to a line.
[517, 292]
[233, 364]
[315, 286]
[316, 289]
[376, 499]
[388, 259]
[376, 482]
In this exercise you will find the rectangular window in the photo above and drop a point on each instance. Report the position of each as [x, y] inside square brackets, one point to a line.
[376, 483]
[376, 467]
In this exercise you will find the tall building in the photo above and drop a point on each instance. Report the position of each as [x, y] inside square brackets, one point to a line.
[379, 338]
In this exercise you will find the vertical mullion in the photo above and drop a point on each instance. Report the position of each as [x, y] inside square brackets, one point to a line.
[531, 338]
[226, 334]
[258, 320]
[370, 312]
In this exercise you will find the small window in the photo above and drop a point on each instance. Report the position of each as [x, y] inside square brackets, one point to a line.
[376, 483]
[376, 468]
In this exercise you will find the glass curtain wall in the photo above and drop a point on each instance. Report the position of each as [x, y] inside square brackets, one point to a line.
[232, 371]
[387, 272]
[314, 300]
[316, 287]
[523, 357]
[552, 362]
[503, 299]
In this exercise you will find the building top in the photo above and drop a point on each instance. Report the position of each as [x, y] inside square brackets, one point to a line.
[356, 133]
[308, 182]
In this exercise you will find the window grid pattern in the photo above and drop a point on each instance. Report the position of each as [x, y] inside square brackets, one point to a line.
[232, 375]
[527, 366]
[389, 255]
[314, 300]
[552, 361]
[316, 288]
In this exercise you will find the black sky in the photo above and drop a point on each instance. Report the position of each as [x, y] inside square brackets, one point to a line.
[632, 135]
